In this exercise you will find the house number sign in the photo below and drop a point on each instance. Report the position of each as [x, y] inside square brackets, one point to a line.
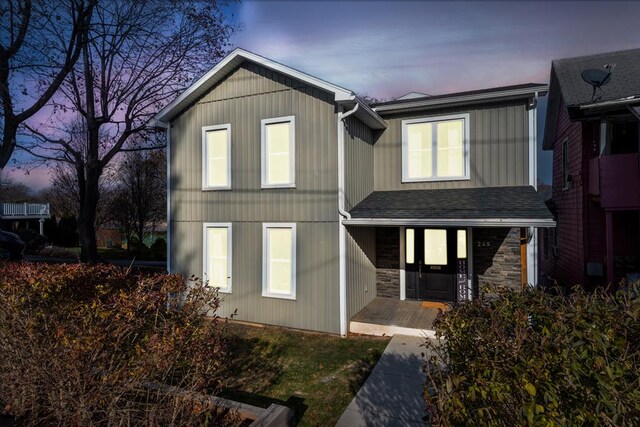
[483, 243]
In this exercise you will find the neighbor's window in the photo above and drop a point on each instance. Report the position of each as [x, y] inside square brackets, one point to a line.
[216, 157]
[278, 152]
[462, 244]
[410, 245]
[435, 247]
[279, 260]
[217, 255]
[565, 164]
[435, 148]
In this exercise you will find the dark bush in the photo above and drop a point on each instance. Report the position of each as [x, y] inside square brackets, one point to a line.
[159, 249]
[33, 240]
[81, 345]
[531, 358]
[139, 250]
[67, 232]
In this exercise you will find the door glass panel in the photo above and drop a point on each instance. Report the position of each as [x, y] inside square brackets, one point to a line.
[435, 247]
[462, 244]
[410, 242]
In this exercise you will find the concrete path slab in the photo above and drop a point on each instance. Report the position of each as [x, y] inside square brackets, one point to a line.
[392, 395]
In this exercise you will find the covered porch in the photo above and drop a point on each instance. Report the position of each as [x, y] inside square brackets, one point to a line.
[430, 247]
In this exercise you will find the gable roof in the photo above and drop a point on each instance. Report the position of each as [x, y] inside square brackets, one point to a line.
[567, 85]
[468, 97]
[485, 206]
[342, 96]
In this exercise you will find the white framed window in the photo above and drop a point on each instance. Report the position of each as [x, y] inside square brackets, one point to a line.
[216, 157]
[278, 152]
[217, 254]
[435, 148]
[279, 260]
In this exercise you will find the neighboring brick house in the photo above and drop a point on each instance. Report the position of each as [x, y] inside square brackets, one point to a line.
[596, 179]
[303, 204]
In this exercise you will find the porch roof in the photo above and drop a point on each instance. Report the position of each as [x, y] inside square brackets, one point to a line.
[471, 207]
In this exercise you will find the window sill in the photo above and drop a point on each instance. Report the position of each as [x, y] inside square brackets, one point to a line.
[279, 296]
[443, 179]
[228, 188]
[276, 186]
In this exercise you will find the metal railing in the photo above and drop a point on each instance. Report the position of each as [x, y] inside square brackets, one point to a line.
[25, 209]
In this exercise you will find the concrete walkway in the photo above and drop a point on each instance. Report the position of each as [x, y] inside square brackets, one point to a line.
[392, 395]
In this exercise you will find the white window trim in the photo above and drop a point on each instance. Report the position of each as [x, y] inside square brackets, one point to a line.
[265, 247]
[465, 145]
[205, 256]
[263, 151]
[205, 170]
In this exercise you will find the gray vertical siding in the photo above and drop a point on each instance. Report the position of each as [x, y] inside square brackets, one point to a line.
[358, 159]
[243, 98]
[499, 147]
[361, 268]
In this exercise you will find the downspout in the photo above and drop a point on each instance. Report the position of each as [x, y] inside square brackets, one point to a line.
[342, 232]
[532, 244]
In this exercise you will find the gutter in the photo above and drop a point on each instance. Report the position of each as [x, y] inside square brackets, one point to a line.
[343, 214]
[451, 222]
[623, 101]
[451, 100]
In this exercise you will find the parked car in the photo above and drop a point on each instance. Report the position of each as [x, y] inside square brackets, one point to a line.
[11, 246]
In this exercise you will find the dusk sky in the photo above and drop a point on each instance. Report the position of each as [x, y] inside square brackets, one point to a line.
[386, 49]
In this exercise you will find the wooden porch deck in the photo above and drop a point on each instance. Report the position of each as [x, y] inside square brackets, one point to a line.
[389, 316]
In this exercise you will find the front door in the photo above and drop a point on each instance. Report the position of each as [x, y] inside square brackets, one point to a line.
[431, 263]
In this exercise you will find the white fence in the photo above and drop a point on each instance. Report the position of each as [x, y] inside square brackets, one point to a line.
[35, 210]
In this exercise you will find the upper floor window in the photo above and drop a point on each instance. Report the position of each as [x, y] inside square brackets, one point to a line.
[216, 157]
[435, 148]
[278, 152]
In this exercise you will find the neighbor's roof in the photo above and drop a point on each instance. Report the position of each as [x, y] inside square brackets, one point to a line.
[524, 90]
[479, 207]
[238, 56]
[567, 85]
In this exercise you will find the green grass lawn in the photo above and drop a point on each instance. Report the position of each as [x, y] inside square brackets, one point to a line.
[317, 375]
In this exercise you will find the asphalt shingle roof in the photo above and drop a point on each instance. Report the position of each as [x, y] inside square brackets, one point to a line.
[461, 203]
[625, 79]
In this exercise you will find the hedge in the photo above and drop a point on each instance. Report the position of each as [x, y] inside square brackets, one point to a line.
[80, 345]
[533, 358]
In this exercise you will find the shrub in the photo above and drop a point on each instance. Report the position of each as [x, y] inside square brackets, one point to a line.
[159, 249]
[82, 344]
[538, 359]
[33, 240]
[67, 232]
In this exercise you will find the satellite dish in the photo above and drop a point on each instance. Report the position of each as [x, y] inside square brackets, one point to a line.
[597, 78]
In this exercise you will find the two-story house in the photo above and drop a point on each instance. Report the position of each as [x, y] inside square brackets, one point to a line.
[304, 205]
[596, 178]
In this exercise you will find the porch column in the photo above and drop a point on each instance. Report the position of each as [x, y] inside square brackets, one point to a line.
[41, 226]
[403, 285]
[609, 233]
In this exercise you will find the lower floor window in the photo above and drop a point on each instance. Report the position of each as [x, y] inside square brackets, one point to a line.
[279, 260]
[217, 255]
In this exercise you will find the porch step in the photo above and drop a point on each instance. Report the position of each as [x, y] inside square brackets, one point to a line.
[364, 328]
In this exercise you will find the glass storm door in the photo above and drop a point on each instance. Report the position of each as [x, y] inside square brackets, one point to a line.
[430, 263]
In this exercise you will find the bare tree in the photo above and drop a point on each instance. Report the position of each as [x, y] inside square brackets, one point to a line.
[138, 55]
[40, 41]
[139, 202]
[12, 191]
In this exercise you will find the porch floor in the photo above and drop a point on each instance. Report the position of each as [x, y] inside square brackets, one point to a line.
[389, 316]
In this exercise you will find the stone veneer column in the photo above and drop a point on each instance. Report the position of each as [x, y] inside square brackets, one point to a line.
[388, 262]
